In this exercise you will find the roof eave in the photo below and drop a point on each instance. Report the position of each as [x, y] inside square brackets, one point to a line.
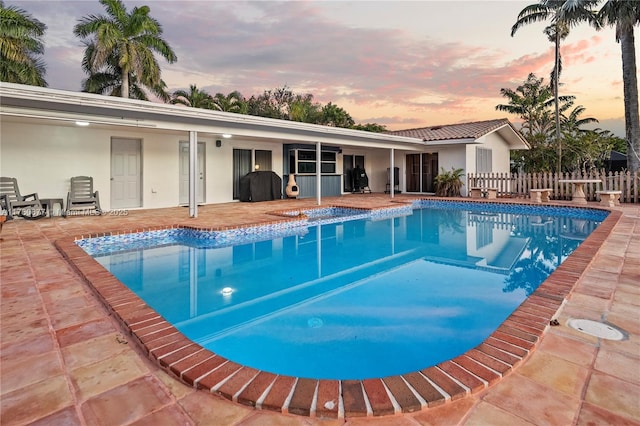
[87, 104]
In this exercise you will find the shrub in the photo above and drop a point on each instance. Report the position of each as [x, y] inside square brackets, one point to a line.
[448, 184]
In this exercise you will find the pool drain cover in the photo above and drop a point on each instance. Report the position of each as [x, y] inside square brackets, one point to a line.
[595, 328]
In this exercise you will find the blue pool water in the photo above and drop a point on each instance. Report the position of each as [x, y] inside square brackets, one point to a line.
[336, 298]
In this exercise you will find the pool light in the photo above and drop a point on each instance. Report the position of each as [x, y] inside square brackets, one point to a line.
[227, 291]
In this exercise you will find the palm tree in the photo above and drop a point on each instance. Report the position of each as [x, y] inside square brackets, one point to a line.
[625, 15]
[108, 81]
[195, 98]
[563, 15]
[572, 123]
[132, 38]
[532, 102]
[20, 47]
[233, 102]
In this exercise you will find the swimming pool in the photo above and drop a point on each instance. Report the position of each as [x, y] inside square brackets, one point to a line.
[391, 266]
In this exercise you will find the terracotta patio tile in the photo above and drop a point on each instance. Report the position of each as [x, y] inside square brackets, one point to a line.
[575, 351]
[93, 379]
[617, 364]
[25, 348]
[614, 395]
[20, 372]
[556, 373]
[125, 403]
[35, 401]
[94, 350]
[82, 332]
[593, 415]
[488, 414]
[68, 318]
[170, 415]
[542, 405]
[12, 333]
[451, 413]
[66, 417]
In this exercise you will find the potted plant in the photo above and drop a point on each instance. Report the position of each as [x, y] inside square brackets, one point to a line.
[448, 184]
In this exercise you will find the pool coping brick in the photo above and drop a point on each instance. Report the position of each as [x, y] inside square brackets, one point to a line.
[481, 367]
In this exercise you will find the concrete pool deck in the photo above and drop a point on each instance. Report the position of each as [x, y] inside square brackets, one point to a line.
[65, 360]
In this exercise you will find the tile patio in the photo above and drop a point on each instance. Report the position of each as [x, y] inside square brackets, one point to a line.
[64, 359]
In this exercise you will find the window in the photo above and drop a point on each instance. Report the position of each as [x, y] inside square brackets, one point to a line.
[484, 234]
[483, 160]
[306, 163]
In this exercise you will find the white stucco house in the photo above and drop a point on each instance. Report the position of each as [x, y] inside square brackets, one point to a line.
[150, 155]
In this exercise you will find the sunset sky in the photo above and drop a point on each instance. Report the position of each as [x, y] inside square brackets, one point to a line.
[401, 64]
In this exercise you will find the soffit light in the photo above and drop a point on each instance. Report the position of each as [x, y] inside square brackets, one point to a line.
[82, 123]
[226, 136]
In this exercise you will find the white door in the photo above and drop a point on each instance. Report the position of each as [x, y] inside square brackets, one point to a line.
[126, 177]
[184, 173]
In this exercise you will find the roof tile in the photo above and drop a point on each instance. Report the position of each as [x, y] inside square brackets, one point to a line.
[472, 130]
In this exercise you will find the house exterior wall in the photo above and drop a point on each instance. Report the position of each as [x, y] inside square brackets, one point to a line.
[43, 157]
[500, 154]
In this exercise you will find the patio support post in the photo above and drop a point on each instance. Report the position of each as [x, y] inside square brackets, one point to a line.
[392, 174]
[318, 173]
[193, 173]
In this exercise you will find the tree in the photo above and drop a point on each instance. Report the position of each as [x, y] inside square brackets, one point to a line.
[233, 102]
[370, 127]
[131, 38]
[108, 81]
[625, 15]
[194, 98]
[302, 108]
[563, 15]
[533, 101]
[20, 47]
[585, 148]
[272, 103]
[333, 115]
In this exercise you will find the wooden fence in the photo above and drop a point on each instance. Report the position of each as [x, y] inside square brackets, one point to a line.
[519, 184]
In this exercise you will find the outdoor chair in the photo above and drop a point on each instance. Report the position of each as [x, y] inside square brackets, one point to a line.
[82, 196]
[26, 206]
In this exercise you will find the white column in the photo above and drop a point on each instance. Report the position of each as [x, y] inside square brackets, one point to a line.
[193, 173]
[392, 172]
[318, 173]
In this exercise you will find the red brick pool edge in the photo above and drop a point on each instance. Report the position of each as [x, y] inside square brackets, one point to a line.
[466, 374]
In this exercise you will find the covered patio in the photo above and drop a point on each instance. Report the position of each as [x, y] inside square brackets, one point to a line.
[66, 360]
